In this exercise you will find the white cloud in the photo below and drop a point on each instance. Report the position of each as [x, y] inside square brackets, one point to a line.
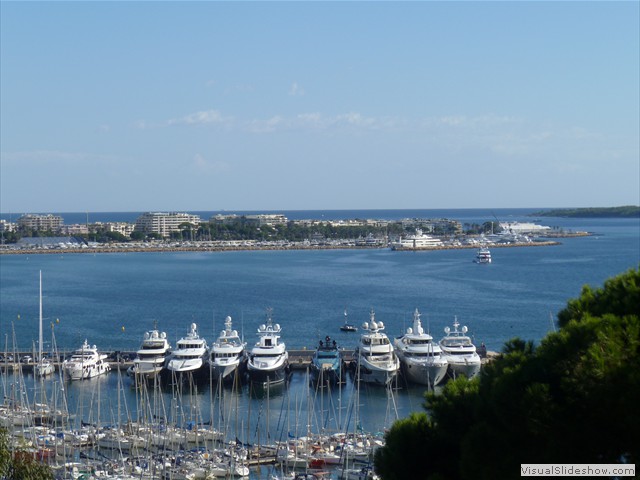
[202, 165]
[199, 118]
[56, 156]
[296, 90]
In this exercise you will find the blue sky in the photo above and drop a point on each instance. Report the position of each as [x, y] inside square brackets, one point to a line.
[122, 106]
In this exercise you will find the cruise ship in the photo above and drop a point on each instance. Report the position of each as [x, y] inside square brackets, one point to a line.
[419, 241]
[189, 354]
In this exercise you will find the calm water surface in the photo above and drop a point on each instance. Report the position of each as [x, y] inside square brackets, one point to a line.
[111, 299]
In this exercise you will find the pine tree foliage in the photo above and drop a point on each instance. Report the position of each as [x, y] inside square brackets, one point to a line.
[572, 399]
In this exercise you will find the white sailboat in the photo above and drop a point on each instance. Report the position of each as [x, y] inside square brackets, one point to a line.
[43, 366]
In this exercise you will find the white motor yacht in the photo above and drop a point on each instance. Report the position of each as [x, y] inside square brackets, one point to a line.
[376, 361]
[460, 352]
[226, 354]
[85, 362]
[268, 360]
[152, 355]
[189, 354]
[419, 241]
[483, 255]
[421, 358]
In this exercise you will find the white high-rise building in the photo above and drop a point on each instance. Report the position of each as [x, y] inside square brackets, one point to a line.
[164, 223]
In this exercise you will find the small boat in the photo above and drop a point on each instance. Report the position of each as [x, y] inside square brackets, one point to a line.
[460, 352]
[376, 361]
[326, 363]
[226, 354]
[483, 256]
[152, 355]
[268, 360]
[421, 358]
[85, 363]
[189, 354]
[348, 327]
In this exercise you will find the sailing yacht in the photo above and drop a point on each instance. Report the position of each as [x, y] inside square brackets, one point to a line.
[268, 360]
[189, 354]
[43, 366]
[226, 354]
[421, 358]
[460, 352]
[376, 361]
[152, 355]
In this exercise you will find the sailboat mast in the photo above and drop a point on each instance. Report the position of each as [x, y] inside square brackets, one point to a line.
[40, 331]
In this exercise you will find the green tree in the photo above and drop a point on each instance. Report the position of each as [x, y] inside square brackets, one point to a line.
[572, 399]
[20, 464]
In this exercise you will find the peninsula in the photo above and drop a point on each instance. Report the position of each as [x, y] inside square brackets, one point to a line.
[628, 211]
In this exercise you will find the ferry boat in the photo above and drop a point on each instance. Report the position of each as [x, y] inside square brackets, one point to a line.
[421, 358]
[152, 355]
[268, 360]
[483, 255]
[375, 359]
[326, 363]
[460, 352]
[419, 241]
[226, 354]
[189, 354]
[85, 362]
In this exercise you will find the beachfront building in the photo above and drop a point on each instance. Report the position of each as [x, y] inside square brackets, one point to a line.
[270, 220]
[40, 223]
[123, 228]
[164, 224]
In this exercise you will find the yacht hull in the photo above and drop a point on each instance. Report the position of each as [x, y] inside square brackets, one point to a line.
[377, 374]
[274, 375]
[424, 373]
[468, 369]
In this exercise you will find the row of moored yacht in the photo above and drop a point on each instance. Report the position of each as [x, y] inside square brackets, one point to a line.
[266, 362]
[416, 354]
[377, 360]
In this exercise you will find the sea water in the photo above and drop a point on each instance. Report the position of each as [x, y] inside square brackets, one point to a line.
[112, 299]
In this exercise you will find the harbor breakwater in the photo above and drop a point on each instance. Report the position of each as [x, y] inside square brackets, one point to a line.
[209, 247]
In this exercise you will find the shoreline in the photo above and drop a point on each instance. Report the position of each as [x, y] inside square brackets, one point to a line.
[126, 248]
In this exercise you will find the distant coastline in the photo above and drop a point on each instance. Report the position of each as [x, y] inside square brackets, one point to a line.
[628, 211]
